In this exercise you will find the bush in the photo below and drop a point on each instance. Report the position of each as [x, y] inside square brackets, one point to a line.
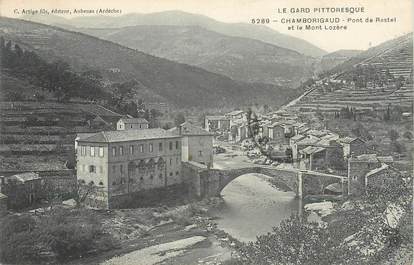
[61, 233]
[18, 240]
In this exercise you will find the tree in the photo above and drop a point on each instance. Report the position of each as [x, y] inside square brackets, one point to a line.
[179, 119]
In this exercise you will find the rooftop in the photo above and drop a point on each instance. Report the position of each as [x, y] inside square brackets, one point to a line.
[377, 170]
[235, 112]
[23, 177]
[310, 139]
[190, 129]
[134, 120]
[312, 150]
[347, 140]
[128, 135]
[372, 158]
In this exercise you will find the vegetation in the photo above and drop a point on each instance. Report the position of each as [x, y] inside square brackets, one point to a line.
[58, 235]
[364, 232]
[56, 77]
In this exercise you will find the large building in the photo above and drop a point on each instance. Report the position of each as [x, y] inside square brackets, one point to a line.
[121, 163]
[197, 144]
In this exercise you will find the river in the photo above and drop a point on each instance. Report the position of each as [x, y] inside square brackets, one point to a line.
[252, 207]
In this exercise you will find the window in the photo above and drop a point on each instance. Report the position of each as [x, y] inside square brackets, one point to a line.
[92, 151]
[177, 144]
[131, 126]
[101, 151]
[200, 153]
[141, 148]
[83, 150]
[160, 147]
[171, 174]
[131, 149]
[121, 150]
[151, 177]
[177, 173]
[113, 151]
[151, 148]
[170, 161]
[114, 183]
[121, 169]
[160, 176]
[92, 169]
[171, 145]
[176, 160]
[114, 169]
[141, 178]
[101, 183]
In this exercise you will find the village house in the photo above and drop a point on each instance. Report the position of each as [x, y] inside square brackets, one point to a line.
[277, 133]
[132, 124]
[121, 163]
[304, 142]
[22, 189]
[362, 168]
[353, 146]
[216, 123]
[196, 143]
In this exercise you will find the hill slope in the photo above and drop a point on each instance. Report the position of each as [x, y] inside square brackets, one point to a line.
[333, 59]
[371, 81]
[179, 18]
[178, 84]
[239, 58]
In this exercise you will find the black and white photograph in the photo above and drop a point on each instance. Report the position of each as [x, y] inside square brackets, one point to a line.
[206, 132]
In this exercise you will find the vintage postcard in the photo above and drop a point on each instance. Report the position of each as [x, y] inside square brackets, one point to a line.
[187, 132]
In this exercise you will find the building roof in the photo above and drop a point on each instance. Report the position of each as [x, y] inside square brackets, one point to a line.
[189, 129]
[134, 120]
[373, 158]
[128, 135]
[23, 177]
[297, 137]
[317, 133]
[312, 150]
[216, 117]
[377, 170]
[310, 139]
[235, 112]
[348, 140]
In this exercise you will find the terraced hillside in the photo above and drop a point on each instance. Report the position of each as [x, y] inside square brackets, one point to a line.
[40, 136]
[381, 79]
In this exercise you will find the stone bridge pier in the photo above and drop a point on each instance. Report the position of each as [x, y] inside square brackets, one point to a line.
[204, 182]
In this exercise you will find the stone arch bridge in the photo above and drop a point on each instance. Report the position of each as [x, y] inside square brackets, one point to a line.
[206, 182]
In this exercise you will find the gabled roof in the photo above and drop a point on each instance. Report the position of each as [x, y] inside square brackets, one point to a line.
[216, 117]
[134, 120]
[310, 139]
[235, 112]
[377, 170]
[348, 140]
[23, 177]
[188, 129]
[297, 137]
[373, 158]
[127, 135]
[312, 150]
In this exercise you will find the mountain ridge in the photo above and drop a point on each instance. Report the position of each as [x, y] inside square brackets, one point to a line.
[176, 17]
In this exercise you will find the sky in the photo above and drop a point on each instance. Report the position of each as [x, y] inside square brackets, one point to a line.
[357, 36]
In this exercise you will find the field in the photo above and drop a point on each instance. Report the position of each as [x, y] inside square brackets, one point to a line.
[39, 136]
